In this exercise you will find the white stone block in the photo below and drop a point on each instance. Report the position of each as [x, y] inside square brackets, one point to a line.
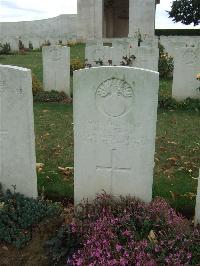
[115, 114]
[197, 209]
[17, 143]
[186, 68]
[146, 57]
[96, 53]
[56, 68]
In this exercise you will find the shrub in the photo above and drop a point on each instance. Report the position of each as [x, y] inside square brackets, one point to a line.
[21, 45]
[127, 231]
[5, 48]
[30, 46]
[18, 216]
[128, 60]
[36, 85]
[76, 64]
[51, 96]
[165, 64]
[166, 102]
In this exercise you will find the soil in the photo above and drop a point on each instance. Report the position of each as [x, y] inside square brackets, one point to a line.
[33, 254]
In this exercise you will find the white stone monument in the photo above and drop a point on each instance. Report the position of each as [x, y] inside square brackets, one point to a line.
[146, 57]
[186, 68]
[94, 54]
[56, 68]
[17, 144]
[197, 210]
[115, 114]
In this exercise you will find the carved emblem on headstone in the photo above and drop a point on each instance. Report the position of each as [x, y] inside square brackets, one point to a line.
[114, 97]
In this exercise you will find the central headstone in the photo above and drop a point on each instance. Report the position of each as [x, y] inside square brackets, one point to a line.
[115, 113]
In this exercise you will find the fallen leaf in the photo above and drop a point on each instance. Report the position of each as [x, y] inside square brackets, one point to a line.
[39, 167]
[152, 237]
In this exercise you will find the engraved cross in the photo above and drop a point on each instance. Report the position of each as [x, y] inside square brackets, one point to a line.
[113, 169]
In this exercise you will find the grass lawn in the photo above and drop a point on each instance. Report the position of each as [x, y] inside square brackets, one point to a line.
[177, 157]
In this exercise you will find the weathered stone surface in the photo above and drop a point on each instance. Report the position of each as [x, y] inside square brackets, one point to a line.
[17, 143]
[95, 54]
[186, 68]
[56, 68]
[197, 210]
[115, 113]
[146, 57]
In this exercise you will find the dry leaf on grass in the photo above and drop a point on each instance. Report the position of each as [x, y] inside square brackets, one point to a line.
[39, 167]
[68, 172]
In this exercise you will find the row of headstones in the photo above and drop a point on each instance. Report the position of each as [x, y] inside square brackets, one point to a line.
[114, 143]
[145, 56]
[56, 65]
[186, 63]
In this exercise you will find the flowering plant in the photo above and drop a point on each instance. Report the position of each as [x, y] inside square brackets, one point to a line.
[127, 231]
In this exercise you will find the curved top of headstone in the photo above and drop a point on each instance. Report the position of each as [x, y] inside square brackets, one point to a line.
[15, 68]
[116, 67]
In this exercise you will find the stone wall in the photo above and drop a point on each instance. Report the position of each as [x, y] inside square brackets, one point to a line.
[63, 27]
[171, 43]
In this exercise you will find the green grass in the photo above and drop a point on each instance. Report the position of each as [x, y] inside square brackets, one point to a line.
[177, 153]
[177, 147]
[33, 60]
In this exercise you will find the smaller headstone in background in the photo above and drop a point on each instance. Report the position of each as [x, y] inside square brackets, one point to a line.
[149, 41]
[97, 55]
[17, 140]
[56, 68]
[146, 57]
[197, 209]
[186, 68]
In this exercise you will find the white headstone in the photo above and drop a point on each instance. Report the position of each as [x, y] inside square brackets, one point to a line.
[146, 57]
[94, 54]
[186, 68]
[17, 144]
[115, 113]
[56, 68]
[197, 210]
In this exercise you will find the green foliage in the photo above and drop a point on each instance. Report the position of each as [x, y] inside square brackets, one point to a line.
[5, 49]
[165, 64]
[36, 85]
[166, 102]
[179, 32]
[185, 11]
[46, 43]
[63, 245]
[51, 96]
[21, 45]
[30, 46]
[18, 216]
[99, 62]
[127, 60]
[76, 64]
